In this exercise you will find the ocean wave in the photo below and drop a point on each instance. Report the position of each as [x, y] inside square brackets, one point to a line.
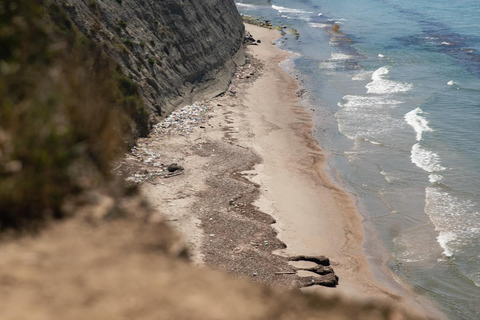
[415, 245]
[426, 159]
[455, 220]
[319, 25]
[246, 5]
[417, 122]
[367, 102]
[289, 10]
[392, 176]
[361, 76]
[340, 56]
[380, 85]
[329, 65]
[444, 238]
[367, 118]
[434, 177]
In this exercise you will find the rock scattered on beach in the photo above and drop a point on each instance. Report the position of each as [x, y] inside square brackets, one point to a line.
[321, 260]
[184, 120]
[324, 274]
[174, 167]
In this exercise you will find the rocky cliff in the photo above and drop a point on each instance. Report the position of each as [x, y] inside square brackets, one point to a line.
[178, 51]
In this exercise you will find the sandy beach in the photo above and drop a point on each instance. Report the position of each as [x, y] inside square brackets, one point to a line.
[253, 192]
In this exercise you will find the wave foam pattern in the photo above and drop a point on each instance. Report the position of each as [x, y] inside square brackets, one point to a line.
[455, 220]
[367, 117]
[418, 123]
[380, 85]
[425, 159]
[291, 13]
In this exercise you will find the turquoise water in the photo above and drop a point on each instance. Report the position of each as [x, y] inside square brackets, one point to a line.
[396, 99]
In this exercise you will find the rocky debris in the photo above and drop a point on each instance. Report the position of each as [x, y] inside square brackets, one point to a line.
[321, 270]
[174, 167]
[300, 93]
[184, 120]
[325, 276]
[152, 175]
[321, 260]
[149, 166]
[249, 39]
[250, 71]
[329, 280]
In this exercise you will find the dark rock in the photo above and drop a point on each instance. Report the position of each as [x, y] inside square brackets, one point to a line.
[321, 270]
[174, 167]
[329, 280]
[259, 41]
[322, 260]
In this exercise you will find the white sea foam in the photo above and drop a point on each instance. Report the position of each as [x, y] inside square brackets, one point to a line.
[380, 85]
[455, 219]
[434, 177]
[246, 5]
[425, 159]
[291, 13]
[391, 176]
[362, 76]
[319, 25]
[289, 10]
[328, 65]
[381, 55]
[443, 239]
[367, 118]
[418, 123]
[367, 102]
[451, 83]
[340, 56]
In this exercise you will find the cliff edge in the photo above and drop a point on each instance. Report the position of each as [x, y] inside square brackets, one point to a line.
[177, 52]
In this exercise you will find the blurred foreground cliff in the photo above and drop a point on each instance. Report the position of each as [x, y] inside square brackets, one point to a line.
[79, 79]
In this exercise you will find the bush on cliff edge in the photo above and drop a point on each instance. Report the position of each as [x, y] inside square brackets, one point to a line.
[65, 109]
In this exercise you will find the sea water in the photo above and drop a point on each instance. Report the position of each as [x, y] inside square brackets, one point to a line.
[394, 86]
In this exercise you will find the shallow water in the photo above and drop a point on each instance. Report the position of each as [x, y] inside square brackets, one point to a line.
[396, 94]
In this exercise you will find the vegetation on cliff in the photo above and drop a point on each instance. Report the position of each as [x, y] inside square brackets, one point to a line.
[65, 111]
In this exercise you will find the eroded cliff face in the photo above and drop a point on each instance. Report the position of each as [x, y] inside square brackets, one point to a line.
[178, 51]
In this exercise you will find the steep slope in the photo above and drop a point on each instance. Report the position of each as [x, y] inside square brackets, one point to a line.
[177, 51]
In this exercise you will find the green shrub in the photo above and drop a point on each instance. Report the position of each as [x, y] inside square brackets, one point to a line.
[122, 24]
[129, 43]
[65, 110]
[151, 61]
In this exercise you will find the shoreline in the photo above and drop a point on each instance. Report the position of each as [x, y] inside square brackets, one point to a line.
[256, 121]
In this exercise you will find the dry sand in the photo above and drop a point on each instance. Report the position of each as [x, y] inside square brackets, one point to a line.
[255, 158]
